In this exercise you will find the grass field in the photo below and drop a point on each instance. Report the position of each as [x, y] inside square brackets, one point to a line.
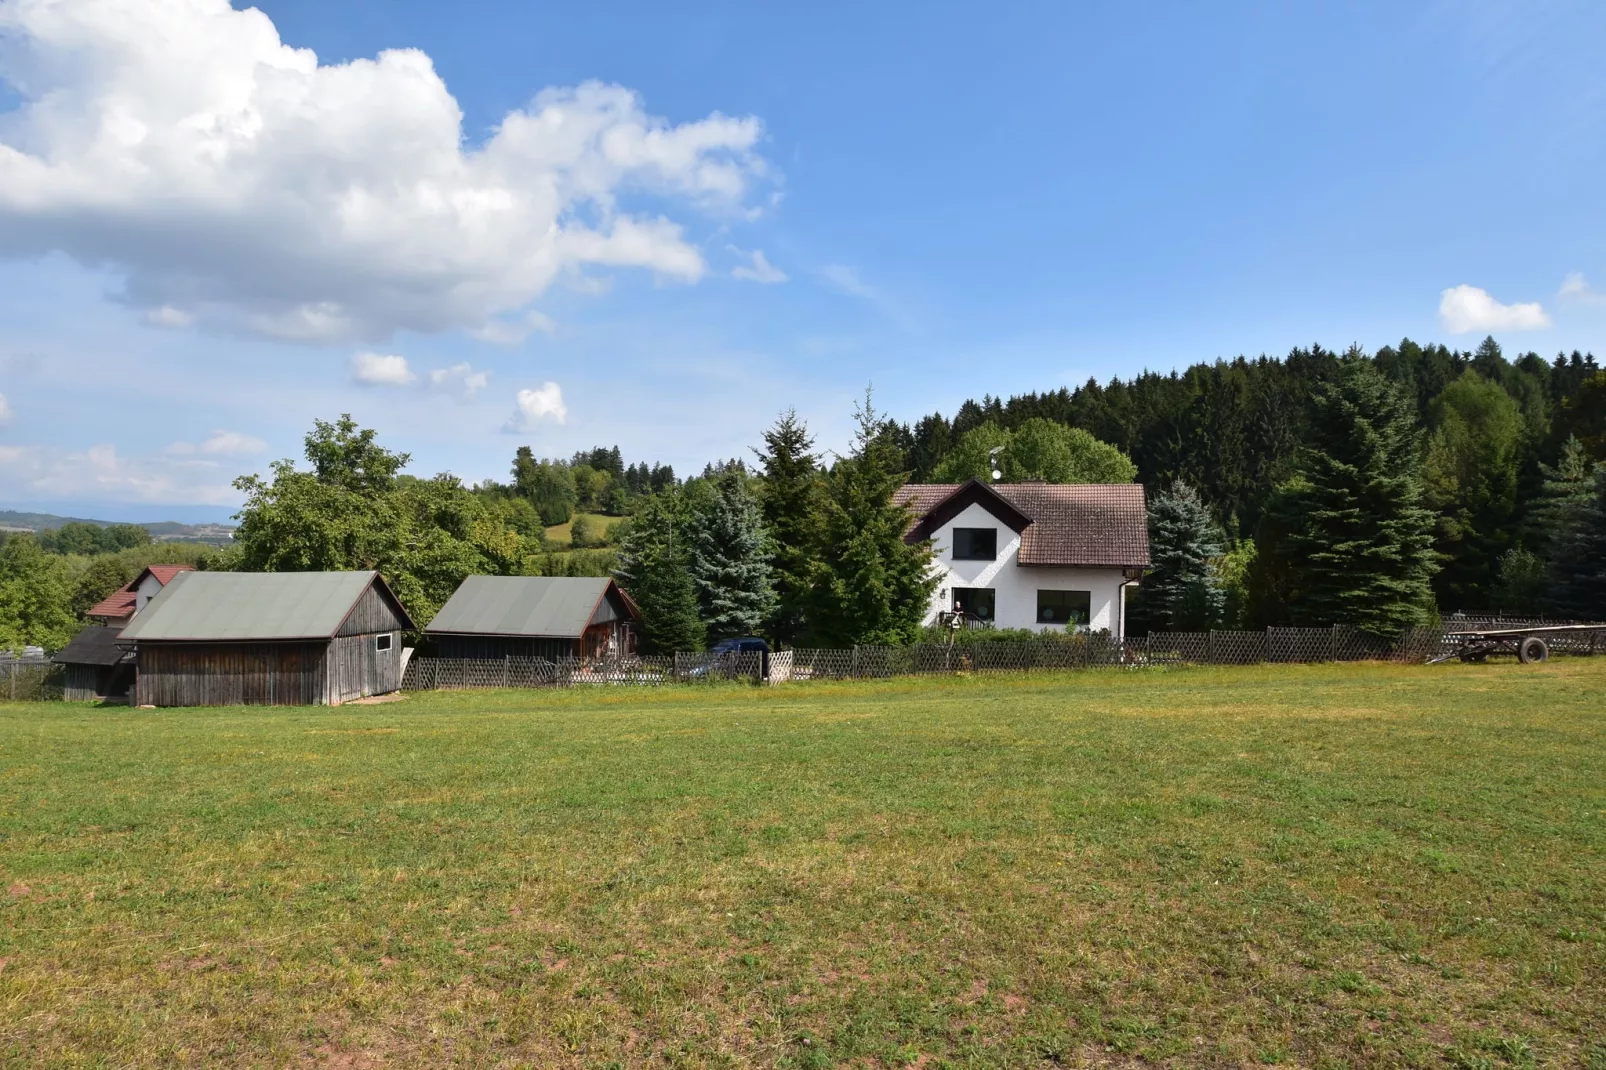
[1343, 865]
[558, 534]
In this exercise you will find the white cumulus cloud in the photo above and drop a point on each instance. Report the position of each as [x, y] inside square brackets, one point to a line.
[381, 369]
[543, 403]
[459, 379]
[1469, 308]
[238, 182]
[758, 268]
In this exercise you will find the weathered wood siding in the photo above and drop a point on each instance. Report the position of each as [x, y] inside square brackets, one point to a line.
[232, 674]
[374, 612]
[83, 683]
[497, 647]
[357, 667]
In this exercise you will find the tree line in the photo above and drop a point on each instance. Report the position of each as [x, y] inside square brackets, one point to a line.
[1496, 460]
[1373, 490]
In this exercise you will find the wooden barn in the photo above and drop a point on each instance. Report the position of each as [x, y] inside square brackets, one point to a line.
[268, 638]
[535, 617]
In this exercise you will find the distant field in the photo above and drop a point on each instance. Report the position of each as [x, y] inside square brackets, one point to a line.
[1324, 866]
[559, 533]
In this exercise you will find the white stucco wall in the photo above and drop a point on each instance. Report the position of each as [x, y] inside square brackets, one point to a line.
[1016, 586]
[148, 588]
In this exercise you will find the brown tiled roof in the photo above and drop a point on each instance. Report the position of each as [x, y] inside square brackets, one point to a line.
[120, 603]
[1097, 525]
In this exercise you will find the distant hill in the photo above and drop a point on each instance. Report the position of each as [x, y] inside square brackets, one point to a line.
[161, 531]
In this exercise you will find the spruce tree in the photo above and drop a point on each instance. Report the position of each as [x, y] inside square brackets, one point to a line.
[792, 498]
[729, 559]
[1567, 488]
[1352, 535]
[653, 570]
[1183, 592]
[876, 587]
[1578, 558]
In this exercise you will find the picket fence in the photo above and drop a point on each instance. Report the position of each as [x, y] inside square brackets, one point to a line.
[1274, 645]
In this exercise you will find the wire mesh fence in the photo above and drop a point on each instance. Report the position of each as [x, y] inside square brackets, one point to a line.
[34, 680]
[471, 674]
[30, 680]
[1051, 651]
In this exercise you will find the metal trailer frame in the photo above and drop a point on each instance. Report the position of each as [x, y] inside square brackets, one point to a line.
[1527, 644]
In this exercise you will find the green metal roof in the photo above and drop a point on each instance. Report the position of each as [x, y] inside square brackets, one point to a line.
[250, 605]
[551, 606]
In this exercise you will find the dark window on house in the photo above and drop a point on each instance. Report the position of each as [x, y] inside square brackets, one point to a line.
[975, 544]
[1064, 607]
[979, 602]
[381, 642]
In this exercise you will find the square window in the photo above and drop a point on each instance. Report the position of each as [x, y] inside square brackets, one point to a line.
[381, 642]
[1064, 607]
[975, 544]
[979, 602]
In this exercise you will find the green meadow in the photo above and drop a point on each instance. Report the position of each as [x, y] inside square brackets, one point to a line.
[1312, 866]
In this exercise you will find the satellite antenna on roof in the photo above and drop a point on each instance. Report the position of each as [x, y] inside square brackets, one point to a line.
[992, 462]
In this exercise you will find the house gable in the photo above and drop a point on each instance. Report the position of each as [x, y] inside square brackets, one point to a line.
[967, 494]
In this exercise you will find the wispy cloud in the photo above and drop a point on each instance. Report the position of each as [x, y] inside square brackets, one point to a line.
[844, 279]
[459, 379]
[511, 332]
[5, 411]
[1576, 289]
[101, 473]
[1468, 308]
[381, 369]
[757, 269]
[220, 444]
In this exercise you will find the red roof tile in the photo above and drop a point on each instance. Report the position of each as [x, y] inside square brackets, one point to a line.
[1094, 525]
[120, 603]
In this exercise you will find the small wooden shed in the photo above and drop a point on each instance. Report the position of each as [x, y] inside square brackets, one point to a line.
[268, 638]
[95, 667]
[497, 617]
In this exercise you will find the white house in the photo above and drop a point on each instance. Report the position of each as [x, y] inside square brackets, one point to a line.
[1032, 555]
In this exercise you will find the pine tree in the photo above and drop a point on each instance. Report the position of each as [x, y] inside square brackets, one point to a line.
[792, 498]
[1355, 541]
[653, 570]
[1567, 488]
[729, 559]
[877, 587]
[1578, 558]
[1183, 592]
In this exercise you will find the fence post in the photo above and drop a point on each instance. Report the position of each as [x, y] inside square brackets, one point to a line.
[853, 663]
[507, 661]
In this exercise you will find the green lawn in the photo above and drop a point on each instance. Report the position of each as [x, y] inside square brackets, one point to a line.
[1321, 866]
[558, 534]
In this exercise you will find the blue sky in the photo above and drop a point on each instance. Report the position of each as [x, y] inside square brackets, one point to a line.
[772, 208]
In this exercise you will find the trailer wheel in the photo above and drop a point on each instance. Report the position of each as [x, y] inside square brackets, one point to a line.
[1532, 649]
